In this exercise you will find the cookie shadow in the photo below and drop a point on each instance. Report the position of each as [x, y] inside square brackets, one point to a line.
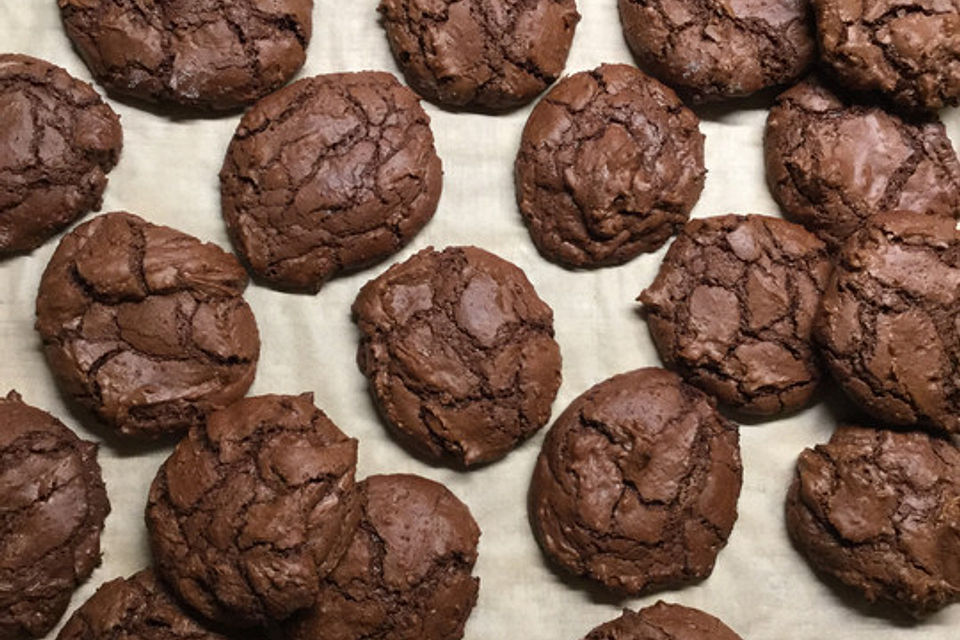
[719, 111]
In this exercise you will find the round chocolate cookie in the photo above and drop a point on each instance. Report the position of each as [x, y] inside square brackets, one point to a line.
[878, 510]
[637, 483]
[731, 310]
[459, 352]
[52, 507]
[887, 323]
[832, 163]
[58, 140]
[488, 55]
[202, 54]
[909, 50]
[711, 49]
[663, 621]
[253, 509]
[146, 326]
[610, 164]
[329, 174]
[406, 575]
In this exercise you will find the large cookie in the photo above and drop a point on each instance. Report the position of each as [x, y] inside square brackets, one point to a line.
[664, 621]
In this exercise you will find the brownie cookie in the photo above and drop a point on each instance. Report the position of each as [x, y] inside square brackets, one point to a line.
[731, 310]
[879, 511]
[887, 323]
[831, 163]
[52, 507]
[146, 326]
[663, 621]
[637, 483]
[406, 575]
[202, 54]
[610, 164]
[253, 509]
[907, 49]
[58, 140]
[711, 49]
[489, 55]
[460, 354]
[329, 174]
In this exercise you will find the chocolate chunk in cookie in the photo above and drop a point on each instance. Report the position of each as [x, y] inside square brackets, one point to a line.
[664, 621]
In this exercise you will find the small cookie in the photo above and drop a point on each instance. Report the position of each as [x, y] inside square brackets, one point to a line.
[330, 174]
[146, 326]
[253, 509]
[637, 483]
[831, 163]
[610, 164]
[731, 310]
[459, 352]
[58, 140]
[52, 507]
[886, 327]
[489, 55]
[406, 575]
[664, 621]
[879, 510]
[203, 54]
[712, 50]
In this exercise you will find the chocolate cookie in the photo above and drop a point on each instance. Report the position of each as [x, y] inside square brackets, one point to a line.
[253, 509]
[459, 352]
[731, 310]
[406, 575]
[711, 49]
[52, 507]
[58, 140]
[832, 163]
[610, 164]
[663, 621]
[886, 326]
[489, 55]
[907, 49]
[146, 326]
[204, 54]
[329, 174]
[879, 511]
[637, 483]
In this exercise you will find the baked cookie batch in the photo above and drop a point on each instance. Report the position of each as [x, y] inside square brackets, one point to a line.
[257, 521]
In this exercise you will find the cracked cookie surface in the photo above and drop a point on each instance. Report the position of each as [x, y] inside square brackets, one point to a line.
[637, 483]
[609, 166]
[406, 574]
[459, 352]
[57, 143]
[731, 310]
[253, 509]
[146, 326]
[52, 507]
[832, 163]
[200, 54]
[879, 511]
[330, 174]
[663, 621]
[488, 55]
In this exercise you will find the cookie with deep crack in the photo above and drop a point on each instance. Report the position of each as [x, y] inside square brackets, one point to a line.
[407, 572]
[253, 509]
[58, 142]
[879, 510]
[146, 326]
[205, 54]
[731, 310]
[330, 174]
[610, 165]
[637, 483]
[831, 163]
[664, 621]
[52, 507]
[487, 55]
[459, 352]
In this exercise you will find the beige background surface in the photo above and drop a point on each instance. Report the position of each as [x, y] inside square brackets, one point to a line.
[168, 174]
